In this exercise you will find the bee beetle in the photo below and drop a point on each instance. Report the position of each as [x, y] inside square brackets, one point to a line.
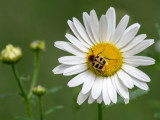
[98, 63]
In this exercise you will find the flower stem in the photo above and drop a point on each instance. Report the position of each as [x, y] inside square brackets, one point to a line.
[35, 74]
[40, 108]
[23, 93]
[100, 112]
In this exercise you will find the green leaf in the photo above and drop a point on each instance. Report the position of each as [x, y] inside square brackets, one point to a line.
[53, 90]
[8, 95]
[157, 114]
[25, 78]
[53, 109]
[133, 95]
[137, 93]
[23, 118]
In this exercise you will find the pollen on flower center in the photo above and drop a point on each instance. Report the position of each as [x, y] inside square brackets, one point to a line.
[104, 59]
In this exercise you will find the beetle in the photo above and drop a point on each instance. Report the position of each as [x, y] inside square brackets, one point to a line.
[98, 63]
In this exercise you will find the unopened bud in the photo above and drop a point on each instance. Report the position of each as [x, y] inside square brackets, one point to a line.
[39, 90]
[11, 54]
[37, 45]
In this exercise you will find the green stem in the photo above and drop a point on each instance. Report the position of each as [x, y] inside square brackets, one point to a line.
[23, 93]
[41, 108]
[28, 106]
[35, 74]
[100, 112]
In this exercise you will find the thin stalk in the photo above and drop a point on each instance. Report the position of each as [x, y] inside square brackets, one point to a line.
[24, 94]
[100, 112]
[35, 74]
[41, 108]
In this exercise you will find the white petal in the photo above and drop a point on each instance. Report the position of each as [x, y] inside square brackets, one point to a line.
[90, 100]
[138, 60]
[68, 47]
[128, 35]
[103, 28]
[136, 73]
[60, 68]
[121, 89]
[139, 48]
[86, 20]
[111, 19]
[125, 78]
[139, 84]
[82, 97]
[97, 87]
[94, 23]
[75, 69]
[111, 91]
[72, 60]
[74, 30]
[82, 31]
[88, 83]
[138, 39]
[100, 99]
[126, 101]
[105, 92]
[120, 29]
[76, 42]
[79, 79]
[113, 82]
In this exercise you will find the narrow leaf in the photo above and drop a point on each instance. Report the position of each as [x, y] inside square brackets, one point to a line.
[53, 109]
[157, 114]
[53, 90]
[8, 95]
[23, 118]
[133, 95]
[23, 78]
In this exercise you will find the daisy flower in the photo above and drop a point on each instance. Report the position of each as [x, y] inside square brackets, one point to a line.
[104, 57]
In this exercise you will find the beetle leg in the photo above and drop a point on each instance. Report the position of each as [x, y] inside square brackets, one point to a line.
[100, 72]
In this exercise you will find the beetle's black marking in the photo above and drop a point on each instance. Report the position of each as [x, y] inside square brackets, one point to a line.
[104, 62]
[100, 67]
[97, 65]
[97, 56]
[101, 59]
[93, 63]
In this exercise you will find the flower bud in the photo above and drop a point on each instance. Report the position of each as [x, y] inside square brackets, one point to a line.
[37, 45]
[11, 54]
[39, 90]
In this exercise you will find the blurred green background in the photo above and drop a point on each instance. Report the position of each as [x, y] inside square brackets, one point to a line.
[22, 21]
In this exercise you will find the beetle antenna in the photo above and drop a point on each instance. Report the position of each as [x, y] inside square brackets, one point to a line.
[109, 58]
[92, 51]
[100, 52]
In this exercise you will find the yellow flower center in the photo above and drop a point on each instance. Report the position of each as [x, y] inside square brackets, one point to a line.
[104, 59]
